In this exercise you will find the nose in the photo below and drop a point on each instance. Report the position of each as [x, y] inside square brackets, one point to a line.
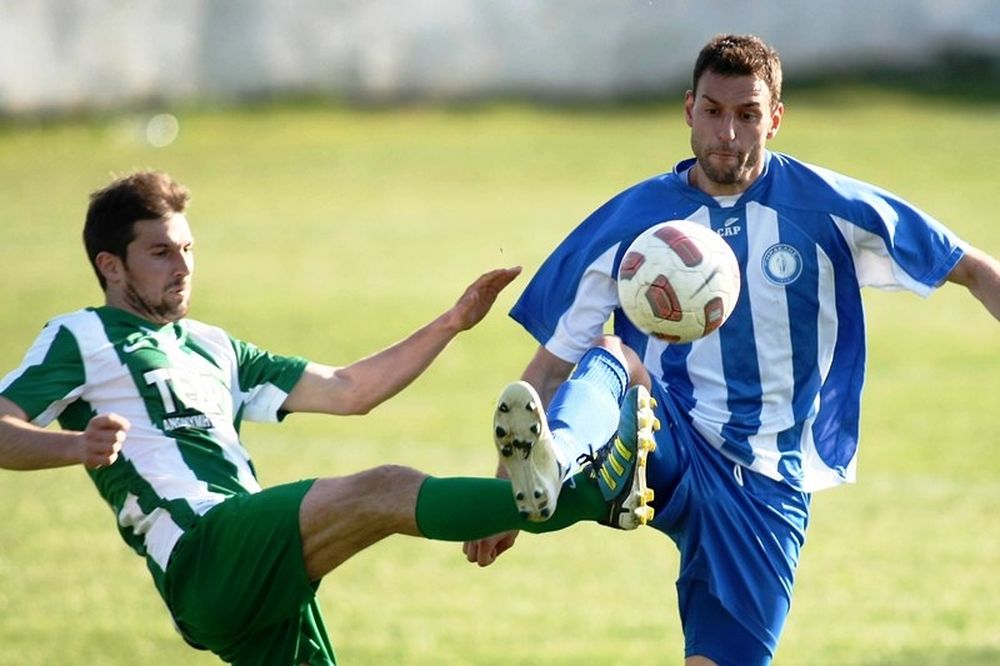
[727, 127]
[183, 263]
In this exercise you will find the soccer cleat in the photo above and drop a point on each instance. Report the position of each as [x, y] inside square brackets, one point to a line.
[527, 453]
[619, 467]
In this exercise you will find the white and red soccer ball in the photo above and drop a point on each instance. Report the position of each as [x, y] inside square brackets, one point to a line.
[678, 281]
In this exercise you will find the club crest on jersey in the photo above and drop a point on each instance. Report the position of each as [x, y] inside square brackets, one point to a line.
[782, 264]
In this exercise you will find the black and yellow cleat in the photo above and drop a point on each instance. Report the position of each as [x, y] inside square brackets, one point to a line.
[619, 467]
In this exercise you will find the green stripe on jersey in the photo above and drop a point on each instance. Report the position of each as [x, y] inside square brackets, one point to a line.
[56, 373]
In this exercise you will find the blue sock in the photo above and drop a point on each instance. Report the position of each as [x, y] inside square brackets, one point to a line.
[583, 414]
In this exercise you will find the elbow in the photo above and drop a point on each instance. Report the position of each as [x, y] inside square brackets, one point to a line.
[355, 402]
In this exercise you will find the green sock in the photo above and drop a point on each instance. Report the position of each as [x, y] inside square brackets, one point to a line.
[469, 508]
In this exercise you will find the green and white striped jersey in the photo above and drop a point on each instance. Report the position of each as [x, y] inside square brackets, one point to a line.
[185, 387]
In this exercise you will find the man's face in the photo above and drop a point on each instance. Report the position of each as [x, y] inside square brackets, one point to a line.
[154, 279]
[731, 119]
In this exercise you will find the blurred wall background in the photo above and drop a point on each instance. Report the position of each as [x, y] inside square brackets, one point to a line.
[71, 55]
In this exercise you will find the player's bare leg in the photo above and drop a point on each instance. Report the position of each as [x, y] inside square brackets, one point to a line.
[342, 516]
[526, 451]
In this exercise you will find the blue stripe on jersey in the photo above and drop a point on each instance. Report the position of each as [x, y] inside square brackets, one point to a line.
[837, 425]
[741, 370]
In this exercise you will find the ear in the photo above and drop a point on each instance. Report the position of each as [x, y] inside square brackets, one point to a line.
[776, 116]
[689, 108]
[111, 266]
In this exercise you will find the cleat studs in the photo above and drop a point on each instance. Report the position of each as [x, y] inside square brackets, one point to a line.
[649, 495]
[530, 406]
[507, 451]
[545, 513]
[656, 424]
[535, 429]
[519, 497]
[525, 514]
[538, 494]
[503, 407]
[500, 432]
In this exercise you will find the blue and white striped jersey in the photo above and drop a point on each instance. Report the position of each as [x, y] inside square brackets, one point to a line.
[778, 388]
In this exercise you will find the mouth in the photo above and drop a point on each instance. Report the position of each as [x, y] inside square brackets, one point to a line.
[724, 155]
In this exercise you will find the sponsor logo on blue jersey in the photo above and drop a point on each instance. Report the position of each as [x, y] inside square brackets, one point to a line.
[730, 227]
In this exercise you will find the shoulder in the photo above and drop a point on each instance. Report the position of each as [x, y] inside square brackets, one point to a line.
[201, 329]
[80, 326]
[81, 317]
[210, 337]
[797, 184]
[657, 198]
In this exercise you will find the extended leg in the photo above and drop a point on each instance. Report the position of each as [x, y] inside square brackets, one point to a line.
[539, 448]
[340, 517]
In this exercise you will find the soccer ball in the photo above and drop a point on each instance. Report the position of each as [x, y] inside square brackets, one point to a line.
[678, 281]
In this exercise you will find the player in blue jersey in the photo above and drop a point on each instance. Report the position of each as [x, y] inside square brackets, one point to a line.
[151, 403]
[762, 413]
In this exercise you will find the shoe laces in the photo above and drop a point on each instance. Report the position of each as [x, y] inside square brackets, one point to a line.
[595, 459]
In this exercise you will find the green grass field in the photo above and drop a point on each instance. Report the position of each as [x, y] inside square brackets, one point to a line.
[331, 233]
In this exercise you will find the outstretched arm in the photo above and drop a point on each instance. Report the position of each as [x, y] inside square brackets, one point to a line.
[980, 274]
[359, 387]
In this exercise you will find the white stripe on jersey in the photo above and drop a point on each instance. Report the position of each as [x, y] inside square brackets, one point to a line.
[159, 531]
[704, 367]
[773, 344]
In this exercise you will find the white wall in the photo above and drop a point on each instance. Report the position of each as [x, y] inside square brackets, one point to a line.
[64, 54]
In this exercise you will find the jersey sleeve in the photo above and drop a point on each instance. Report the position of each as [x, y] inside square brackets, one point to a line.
[265, 380]
[898, 246]
[571, 296]
[50, 377]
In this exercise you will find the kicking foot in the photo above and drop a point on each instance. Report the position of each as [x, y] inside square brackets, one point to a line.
[524, 444]
[619, 467]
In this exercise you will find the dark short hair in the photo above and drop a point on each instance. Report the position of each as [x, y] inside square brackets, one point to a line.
[740, 55]
[114, 210]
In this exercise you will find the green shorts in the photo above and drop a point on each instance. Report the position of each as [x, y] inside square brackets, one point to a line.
[236, 583]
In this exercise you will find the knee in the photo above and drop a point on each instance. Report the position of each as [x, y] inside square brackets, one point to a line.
[626, 356]
[393, 476]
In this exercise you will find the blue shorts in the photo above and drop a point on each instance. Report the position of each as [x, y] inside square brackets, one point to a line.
[739, 534]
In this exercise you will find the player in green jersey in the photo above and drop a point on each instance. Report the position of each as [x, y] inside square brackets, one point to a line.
[150, 403]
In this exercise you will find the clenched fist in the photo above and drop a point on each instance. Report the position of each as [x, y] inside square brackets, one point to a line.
[100, 443]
